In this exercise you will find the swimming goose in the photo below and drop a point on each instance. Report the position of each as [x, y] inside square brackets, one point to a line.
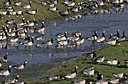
[41, 30]
[17, 3]
[5, 58]
[101, 39]
[99, 59]
[80, 81]
[6, 72]
[77, 34]
[27, 6]
[32, 12]
[114, 80]
[20, 66]
[11, 81]
[113, 62]
[72, 74]
[118, 74]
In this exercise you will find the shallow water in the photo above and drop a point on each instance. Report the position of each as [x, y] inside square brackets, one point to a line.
[87, 25]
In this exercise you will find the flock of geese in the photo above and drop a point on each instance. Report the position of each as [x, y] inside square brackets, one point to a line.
[25, 33]
[90, 71]
[7, 72]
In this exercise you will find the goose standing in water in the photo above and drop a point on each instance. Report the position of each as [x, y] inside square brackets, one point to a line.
[49, 42]
[123, 37]
[101, 39]
[5, 58]
[6, 72]
[20, 66]
[72, 74]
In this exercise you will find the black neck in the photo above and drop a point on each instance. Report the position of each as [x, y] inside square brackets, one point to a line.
[123, 34]
[75, 70]
[103, 35]
[9, 69]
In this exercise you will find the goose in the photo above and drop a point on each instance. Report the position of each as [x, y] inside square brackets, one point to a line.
[0, 64]
[123, 37]
[11, 81]
[51, 4]
[20, 66]
[41, 37]
[27, 6]
[5, 58]
[30, 24]
[114, 80]
[14, 39]
[32, 12]
[7, 3]
[54, 78]
[19, 12]
[99, 76]
[39, 45]
[53, 9]
[70, 4]
[43, 3]
[20, 82]
[75, 9]
[91, 55]
[101, 39]
[49, 42]
[111, 41]
[10, 21]
[64, 12]
[41, 30]
[79, 41]
[77, 34]
[6, 72]
[80, 81]
[99, 59]
[93, 37]
[55, 1]
[66, 2]
[17, 3]
[30, 42]
[2, 37]
[63, 42]
[113, 62]
[2, 12]
[117, 36]
[12, 12]
[61, 37]
[89, 70]
[118, 74]
[126, 62]
[102, 82]
[72, 74]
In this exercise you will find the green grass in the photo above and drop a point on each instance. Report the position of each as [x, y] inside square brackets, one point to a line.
[110, 52]
[43, 13]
